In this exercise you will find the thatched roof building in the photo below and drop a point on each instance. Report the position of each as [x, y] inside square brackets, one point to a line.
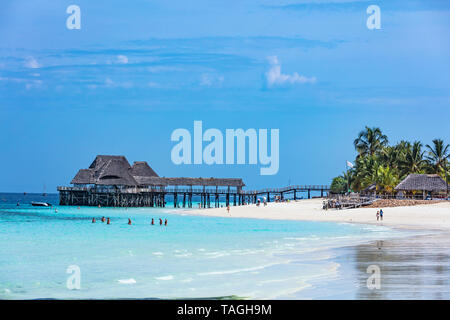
[109, 170]
[422, 182]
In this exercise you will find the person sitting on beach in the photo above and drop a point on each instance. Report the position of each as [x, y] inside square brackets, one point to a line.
[103, 219]
[160, 221]
[153, 222]
[129, 221]
[381, 214]
[378, 215]
[165, 222]
[108, 221]
[93, 220]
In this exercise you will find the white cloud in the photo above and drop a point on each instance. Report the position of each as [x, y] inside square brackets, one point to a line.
[275, 77]
[209, 80]
[113, 84]
[32, 63]
[122, 59]
[158, 69]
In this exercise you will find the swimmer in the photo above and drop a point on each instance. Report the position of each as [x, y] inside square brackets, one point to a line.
[165, 222]
[108, 221]
[153, 222]
[129, 221]
[78, 208]
[93, 220]
[103, 219]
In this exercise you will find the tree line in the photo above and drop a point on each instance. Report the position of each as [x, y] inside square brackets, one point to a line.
[386, 165]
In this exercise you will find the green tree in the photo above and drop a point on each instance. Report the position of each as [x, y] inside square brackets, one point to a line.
[339, 185]
[386, 179]
[438, 155]
[413, 161]
[370, 141]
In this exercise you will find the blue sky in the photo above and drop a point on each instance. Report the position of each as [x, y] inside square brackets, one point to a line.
[137, 70]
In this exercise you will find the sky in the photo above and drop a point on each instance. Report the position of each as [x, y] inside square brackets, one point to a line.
[138, 70]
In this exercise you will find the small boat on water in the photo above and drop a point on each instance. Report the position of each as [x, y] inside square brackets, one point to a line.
[40, 204]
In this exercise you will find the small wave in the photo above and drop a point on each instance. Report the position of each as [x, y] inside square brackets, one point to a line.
[169, 277]
[238, 270]
[158, 253]
[183, 255]
[127, 281]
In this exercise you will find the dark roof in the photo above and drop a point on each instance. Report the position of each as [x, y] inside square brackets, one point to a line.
[158, 181]
[116, 170]
[142, 169]
[100, 160]
[84, 176]
[106, 170]
[372, 187]
[427, 182]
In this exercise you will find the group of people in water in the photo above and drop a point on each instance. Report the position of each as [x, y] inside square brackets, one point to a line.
[108, 221]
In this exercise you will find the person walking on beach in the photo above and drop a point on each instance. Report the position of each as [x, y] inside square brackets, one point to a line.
[129, 221]
[381, 214]
[378, 215]
[153, 222]
[228, 208]
[108, 221]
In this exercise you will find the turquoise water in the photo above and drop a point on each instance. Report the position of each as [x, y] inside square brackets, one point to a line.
[192, 257]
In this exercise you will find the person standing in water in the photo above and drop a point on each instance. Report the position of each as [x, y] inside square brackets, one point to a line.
[160, 221]
[129, 221]
[165, 222]
[153, 222]
[103, 219]
[93, 220]
[108, 221]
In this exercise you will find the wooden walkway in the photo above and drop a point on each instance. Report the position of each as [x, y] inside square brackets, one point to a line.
[182, 197]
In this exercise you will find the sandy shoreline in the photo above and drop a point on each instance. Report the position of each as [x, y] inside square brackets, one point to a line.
[426, 217]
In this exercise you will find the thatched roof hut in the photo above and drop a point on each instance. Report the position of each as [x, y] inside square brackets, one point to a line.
[109, 170]
[423, 182]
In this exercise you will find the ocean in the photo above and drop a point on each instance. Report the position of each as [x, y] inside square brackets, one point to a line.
[191, 257]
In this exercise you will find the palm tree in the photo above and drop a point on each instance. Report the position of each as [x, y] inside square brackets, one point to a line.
[370, 141]
[438, 155]
[413, 161]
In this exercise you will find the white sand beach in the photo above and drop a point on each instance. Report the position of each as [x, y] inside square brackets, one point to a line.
[434, 216]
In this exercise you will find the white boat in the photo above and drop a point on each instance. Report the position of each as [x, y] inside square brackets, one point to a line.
[40, 204]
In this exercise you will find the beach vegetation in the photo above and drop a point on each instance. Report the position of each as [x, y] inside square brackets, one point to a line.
[383, 166]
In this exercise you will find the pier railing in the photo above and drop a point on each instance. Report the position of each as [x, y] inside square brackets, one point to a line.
[298, 188]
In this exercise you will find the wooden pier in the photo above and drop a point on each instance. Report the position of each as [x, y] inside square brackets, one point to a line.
[181, 197]
[110, 181]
